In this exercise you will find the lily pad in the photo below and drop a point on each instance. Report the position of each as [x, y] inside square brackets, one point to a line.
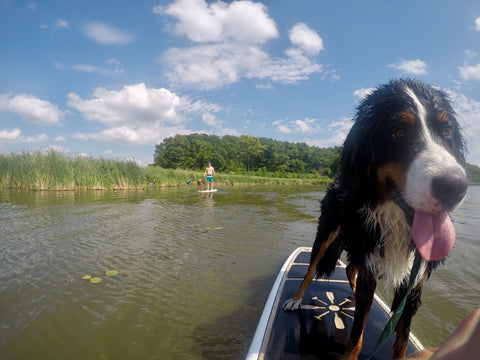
[212, 228]
[95, 280]
[86, 277]
[112, 272]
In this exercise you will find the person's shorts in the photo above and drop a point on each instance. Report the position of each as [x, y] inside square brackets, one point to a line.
[209, 178]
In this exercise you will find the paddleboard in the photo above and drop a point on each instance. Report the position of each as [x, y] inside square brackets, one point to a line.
[320, 329]
[207, 191]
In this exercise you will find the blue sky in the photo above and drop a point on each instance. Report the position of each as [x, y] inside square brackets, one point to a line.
[114, 78]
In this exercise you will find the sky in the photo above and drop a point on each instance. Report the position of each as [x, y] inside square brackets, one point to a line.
[113, 79]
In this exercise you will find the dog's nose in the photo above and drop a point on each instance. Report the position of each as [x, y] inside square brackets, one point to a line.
[449, 189]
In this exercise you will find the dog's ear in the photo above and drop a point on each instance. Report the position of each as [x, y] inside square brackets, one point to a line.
[356, 163]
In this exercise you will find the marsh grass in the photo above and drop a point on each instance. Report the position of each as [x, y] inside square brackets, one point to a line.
[54, 171]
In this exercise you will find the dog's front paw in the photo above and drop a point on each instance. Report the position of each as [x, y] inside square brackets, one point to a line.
[291, 305]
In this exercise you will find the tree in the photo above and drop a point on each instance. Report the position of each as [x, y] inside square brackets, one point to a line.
[251, 151]
[246, 154]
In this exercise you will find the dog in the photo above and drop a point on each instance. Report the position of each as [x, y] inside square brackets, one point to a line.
[401, 172]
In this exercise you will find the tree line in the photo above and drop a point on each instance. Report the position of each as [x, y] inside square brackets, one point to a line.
[473, 174]
[261, 156]
[246, 154]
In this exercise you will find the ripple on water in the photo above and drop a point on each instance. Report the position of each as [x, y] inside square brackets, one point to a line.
[200, 270]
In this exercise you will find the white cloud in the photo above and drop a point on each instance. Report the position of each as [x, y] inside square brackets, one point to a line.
[284, 129]
[228, 45]
[133, 135]
[239, 21]
[137, 114]
[281, 127]
[35, 139]
[199, 106]
[213, 66]
[306, 39]
[62, 24]
[112, 67]
[132, 104]
[470, 54]
[337, 132]
[477, 24]
[211, 120]
[57, 149]
[107, 35]
[414, 67]
[305, 125]
[82, 68]
[267, 86]
[32, 109]
[116, 64]
[10, 135]
[468, 111]
[15, 136]
[362, 93]
[297, 126]
[468, 72]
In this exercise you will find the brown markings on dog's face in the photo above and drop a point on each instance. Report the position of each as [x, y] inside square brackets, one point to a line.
[407, 120]
[407, 117]
[393, 171]
[442, 117]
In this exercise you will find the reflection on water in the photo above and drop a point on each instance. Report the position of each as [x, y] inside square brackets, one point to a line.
[200, 268]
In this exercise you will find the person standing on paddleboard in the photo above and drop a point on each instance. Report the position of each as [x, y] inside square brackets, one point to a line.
[209, 171]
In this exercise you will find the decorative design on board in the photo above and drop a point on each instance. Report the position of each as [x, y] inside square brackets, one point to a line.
[345, 308]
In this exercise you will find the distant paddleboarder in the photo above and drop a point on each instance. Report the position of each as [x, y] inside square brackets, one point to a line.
[209, 171]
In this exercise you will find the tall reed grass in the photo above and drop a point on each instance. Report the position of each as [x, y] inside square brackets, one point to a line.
[54, 171]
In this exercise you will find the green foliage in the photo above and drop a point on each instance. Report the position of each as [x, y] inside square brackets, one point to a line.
[473, 174]
[246, 155]
[54, 171]
[238, 161]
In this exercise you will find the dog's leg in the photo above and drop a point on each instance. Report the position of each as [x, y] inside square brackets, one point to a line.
[402, 330]
[352, 276]
[366, 285]
[296, 300]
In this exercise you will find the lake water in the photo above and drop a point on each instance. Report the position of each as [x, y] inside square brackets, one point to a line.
[195, 270]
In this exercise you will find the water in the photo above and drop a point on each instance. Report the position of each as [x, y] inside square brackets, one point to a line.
[197, 270]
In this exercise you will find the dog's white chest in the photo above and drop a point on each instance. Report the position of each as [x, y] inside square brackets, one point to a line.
[393, 257]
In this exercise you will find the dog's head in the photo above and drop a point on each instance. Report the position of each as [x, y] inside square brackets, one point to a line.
[406, 145]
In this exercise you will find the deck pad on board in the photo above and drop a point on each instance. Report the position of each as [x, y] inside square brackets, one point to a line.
[321, 327]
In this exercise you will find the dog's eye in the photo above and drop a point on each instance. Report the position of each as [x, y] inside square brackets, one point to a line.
[398, 133]
[447, 132]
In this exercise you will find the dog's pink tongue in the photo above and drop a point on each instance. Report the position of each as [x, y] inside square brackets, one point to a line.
[433, 235]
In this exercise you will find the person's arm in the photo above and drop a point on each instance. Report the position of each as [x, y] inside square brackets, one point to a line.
[463, 344]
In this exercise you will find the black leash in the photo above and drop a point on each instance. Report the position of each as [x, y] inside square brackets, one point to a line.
[392, 323]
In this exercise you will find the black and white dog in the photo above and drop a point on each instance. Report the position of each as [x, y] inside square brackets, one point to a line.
[401, 173]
